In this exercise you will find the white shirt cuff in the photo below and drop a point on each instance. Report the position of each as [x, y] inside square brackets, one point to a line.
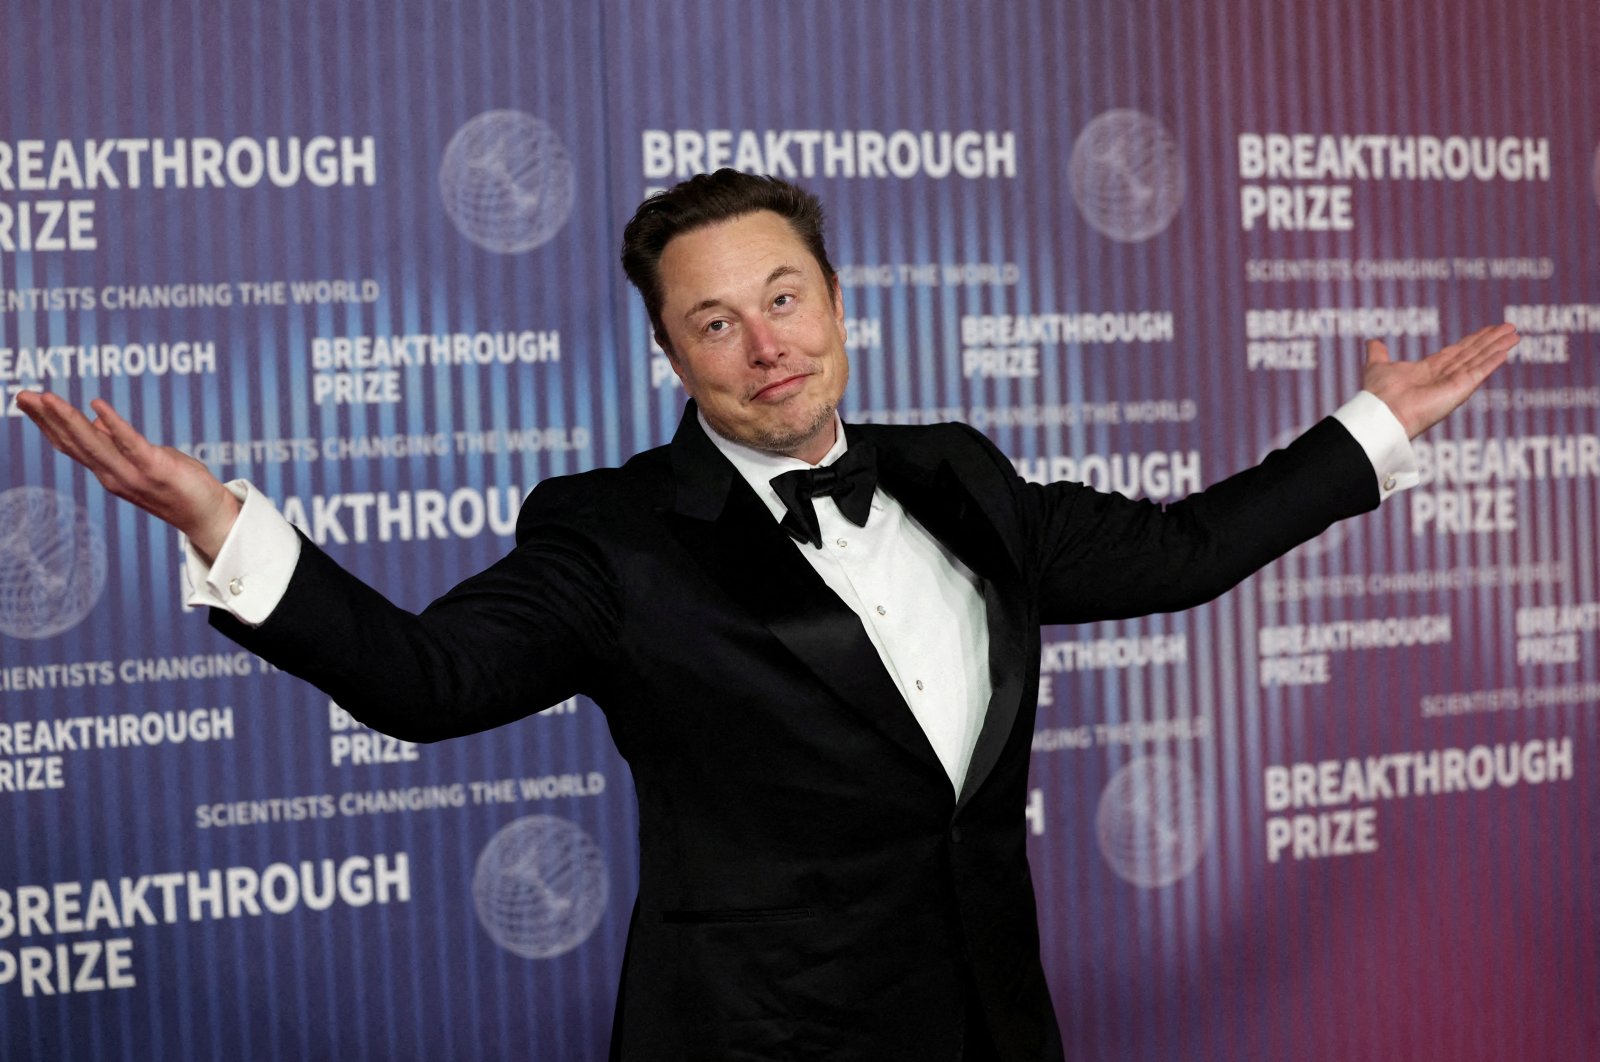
[252, 569]
[1383, 437]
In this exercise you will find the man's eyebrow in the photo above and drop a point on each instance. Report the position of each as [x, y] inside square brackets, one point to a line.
[709, 304]
[781, 272]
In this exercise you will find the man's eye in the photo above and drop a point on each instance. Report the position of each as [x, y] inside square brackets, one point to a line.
[716, 326]
[783, 300]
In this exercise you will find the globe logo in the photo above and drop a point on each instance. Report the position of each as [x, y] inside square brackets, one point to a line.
[52, 563]
[540, 887]
[1153, 822]
[1126, 175]
[506, 181]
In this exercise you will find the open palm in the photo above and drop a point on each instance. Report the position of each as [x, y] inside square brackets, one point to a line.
[167, 483]
[1422, 393]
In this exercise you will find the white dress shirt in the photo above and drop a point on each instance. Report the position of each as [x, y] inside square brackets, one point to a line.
[920, 606]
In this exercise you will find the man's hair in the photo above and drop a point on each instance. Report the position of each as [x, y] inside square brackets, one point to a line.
[706, 199]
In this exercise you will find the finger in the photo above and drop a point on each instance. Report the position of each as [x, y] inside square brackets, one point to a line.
[1494, 345]
[83, 433]
[1503, 338]
[70, 432]
[1492, 357]
[32, 404]
[108, 413]
[1377, 352]
[47, 427]
[1486, 337]
[126, 437]
[1468, 349]
[27, 399]
[1496, 334]
[58, 420]
[1473, 372]
[122, 432]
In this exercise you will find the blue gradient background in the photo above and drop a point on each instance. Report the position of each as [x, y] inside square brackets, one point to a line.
[1470, 934]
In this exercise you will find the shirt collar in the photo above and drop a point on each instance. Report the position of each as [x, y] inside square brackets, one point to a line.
[758, 467]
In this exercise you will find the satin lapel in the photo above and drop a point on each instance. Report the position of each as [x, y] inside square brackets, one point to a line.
[941, 502]
[721, 522]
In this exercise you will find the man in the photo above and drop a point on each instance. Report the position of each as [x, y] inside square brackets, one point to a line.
[827, 704]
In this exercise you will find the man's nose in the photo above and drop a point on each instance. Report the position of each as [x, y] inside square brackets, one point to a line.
[763, 343]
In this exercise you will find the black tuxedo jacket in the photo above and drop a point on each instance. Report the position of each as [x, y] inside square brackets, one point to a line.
[810, 885]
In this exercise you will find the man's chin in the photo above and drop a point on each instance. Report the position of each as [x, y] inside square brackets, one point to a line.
[787, 440]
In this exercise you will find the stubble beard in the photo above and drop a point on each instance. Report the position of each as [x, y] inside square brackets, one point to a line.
[788, 444]
[775, 440]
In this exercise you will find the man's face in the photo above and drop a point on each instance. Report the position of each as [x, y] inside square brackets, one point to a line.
[755, 333]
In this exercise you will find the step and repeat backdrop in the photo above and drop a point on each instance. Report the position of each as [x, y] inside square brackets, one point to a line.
[364, 255]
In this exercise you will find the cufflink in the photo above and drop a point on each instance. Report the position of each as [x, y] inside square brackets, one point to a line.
[236, 585]
[1388, 483]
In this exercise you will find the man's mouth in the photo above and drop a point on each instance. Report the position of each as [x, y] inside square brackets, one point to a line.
[779, 388]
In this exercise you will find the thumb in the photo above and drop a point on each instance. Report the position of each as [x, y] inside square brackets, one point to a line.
[1377, 353]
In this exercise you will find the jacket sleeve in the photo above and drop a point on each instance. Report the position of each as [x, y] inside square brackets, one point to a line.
[1098, 556]
[525, 633]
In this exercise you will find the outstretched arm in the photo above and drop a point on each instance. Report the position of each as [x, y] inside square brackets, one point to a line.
[1107, 557]
[164, 482]
[511, 640]
[1422, 393]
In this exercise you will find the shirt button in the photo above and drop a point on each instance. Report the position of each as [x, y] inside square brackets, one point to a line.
[882, 611]
[841, 543]
[236, 585]
[1388, 483]
[919, 684]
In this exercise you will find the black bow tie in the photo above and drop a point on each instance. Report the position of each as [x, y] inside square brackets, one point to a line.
[849, 481]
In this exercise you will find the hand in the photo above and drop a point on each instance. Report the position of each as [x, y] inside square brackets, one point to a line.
[164, 482]
[1422, 393]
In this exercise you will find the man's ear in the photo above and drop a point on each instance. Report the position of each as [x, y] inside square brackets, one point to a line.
[838, 304]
